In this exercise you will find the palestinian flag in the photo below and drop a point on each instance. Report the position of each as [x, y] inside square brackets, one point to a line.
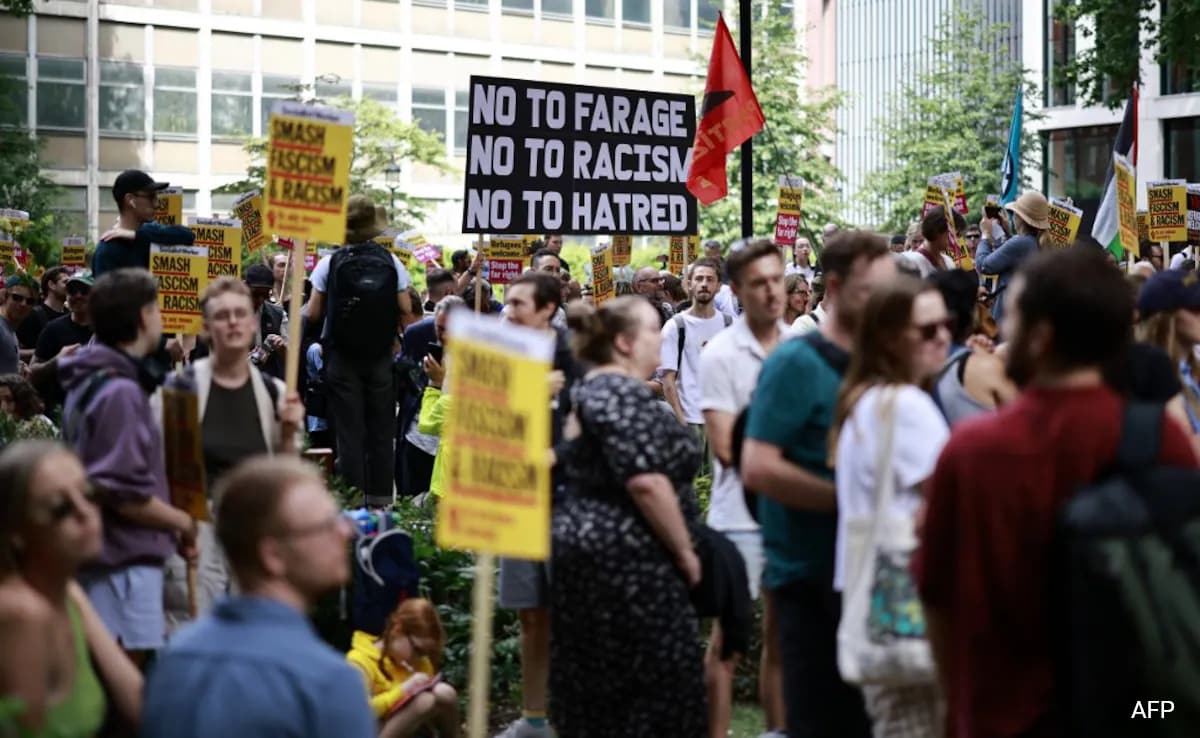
[1105, 230]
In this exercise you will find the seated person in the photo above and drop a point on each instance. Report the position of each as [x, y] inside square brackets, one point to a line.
[405, 692]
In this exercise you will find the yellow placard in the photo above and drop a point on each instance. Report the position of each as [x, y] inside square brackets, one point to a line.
[622, 250]
[249, 210]
[11, 223]
[496, 438]
[1143, 220]
[223, 239]
[1127, 219]
[504, 260]
[184, 452]
[168, 206]
[505, 248]
[1166, 205]
[308, 171]
[787, 215]
[74, 252]
[604, 287]
[1064, 222]
[683, 250]
[182, 274]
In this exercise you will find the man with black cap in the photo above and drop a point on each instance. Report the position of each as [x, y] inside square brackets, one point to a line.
[366, 288]
[270, 345]
[127, 244]
[60, 338]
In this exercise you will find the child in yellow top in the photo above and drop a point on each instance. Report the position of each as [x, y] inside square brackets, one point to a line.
[403, 660]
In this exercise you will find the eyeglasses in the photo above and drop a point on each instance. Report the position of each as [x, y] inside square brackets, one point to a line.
[67, 506]
[336, 522]
[20, 299]
[929, 331]
[655, 280]
[804, 292]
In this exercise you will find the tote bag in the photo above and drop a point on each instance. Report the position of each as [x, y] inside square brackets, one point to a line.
[881, 637]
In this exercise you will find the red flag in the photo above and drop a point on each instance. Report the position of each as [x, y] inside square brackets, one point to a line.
[728, 116]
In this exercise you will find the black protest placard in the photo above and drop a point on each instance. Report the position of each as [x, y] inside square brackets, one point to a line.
[552, 158]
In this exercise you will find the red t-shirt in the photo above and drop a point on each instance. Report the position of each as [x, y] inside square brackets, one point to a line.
[985, 556]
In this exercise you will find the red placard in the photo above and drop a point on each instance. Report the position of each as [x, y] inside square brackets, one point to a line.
[786, 227]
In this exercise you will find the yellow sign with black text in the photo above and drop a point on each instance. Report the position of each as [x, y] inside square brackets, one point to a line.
[308, 171]
[249, 210]
[223, 239]
[496, 439]
[182, 275]
[1166, 206]
[168, 206]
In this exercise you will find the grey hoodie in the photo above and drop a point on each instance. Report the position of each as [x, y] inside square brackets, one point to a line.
[121, 448]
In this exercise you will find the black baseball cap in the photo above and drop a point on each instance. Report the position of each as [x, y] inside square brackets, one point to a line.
[259, 275]
[135, 180]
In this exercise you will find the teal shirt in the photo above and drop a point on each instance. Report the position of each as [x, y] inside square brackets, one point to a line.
[793, 409]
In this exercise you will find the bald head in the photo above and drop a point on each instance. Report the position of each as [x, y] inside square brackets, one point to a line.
[647, 281]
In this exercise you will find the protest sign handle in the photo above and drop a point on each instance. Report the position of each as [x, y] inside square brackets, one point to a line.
[296, 323]
[191, 589]
[479, 683]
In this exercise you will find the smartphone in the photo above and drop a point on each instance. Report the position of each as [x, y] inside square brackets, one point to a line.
[435, 350]
[992, 211]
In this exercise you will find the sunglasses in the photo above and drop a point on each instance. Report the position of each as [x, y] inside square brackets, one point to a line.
[67, 506]
[929, 331]
[20, 299]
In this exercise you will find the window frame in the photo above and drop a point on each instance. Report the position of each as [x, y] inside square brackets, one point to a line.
[174, 89]
[138, 87]
[415, 106]
[80, 82]
[21, 101]
[215, 92]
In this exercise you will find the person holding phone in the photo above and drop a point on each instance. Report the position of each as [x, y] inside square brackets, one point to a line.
[435, 403]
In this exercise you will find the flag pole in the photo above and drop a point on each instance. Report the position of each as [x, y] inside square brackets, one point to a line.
[745, 20]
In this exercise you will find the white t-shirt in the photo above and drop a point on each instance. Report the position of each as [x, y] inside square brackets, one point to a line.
[729, 368]
[805, 271]
[726, 302]
[697, 333]
[920, 434]
[809, 322]
[920, 262]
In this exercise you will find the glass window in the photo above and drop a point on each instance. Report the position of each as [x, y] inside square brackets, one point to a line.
[384, 92]
[677, 14]
[636, 11]
[1060, 51]
[557, 7]
[14, 92]
[429, 110]
[222, 202]
[471, 4]
[601, 9]
[61, 93]
[70, 211]
[1077, 161]
[518, 5]
[122, 97]
[276, 88]
[461, 100]
[1182, 138]
[175, 101]
[707, 11]
[332, 88]
[232, 104]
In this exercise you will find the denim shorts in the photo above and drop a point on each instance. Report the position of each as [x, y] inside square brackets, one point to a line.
[130, 602]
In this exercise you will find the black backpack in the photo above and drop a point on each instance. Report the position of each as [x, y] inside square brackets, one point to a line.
[837, 359]
[363, 313]
[1128, 589]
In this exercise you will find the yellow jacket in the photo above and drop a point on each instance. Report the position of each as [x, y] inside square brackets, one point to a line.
[434, 407]
[382, 677]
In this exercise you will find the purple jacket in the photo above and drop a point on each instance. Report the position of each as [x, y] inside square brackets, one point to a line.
[121, 447]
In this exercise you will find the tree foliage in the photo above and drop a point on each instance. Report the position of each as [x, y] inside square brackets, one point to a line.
[1121, 29]
[22, 184]
[800, 123]
[954, 116]
[380, 137]
[17, 7]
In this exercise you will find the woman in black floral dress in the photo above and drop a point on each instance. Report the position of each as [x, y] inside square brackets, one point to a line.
[626, 658]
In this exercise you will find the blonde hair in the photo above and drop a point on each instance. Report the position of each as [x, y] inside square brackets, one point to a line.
[223, 286]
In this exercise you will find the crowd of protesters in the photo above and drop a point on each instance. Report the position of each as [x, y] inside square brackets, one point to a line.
[868, 392]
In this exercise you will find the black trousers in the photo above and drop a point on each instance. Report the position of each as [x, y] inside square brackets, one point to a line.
[819, 704]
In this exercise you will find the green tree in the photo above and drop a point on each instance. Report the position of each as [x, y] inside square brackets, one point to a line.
[379, 138]
[954, 117]
[1121, 29]
[800, 123]
[17, 7]
[22, 184]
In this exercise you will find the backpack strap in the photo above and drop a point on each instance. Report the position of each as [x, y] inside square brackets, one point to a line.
[837, 360]
[1141, 435]
[681, 330]
[74, 415]
[272, 391]
[728, 319]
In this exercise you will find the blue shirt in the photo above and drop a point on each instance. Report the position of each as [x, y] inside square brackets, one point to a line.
[122, 253]
[1004, 261]
[793, 409]
[254, 667]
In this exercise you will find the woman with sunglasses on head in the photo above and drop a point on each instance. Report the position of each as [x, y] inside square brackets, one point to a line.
[50, 636]
[797, 289]
[886, 438]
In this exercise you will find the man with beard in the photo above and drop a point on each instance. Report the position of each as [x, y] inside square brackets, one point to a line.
[785, 458]
[729, 368]
[986, 559]
[683, 337]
